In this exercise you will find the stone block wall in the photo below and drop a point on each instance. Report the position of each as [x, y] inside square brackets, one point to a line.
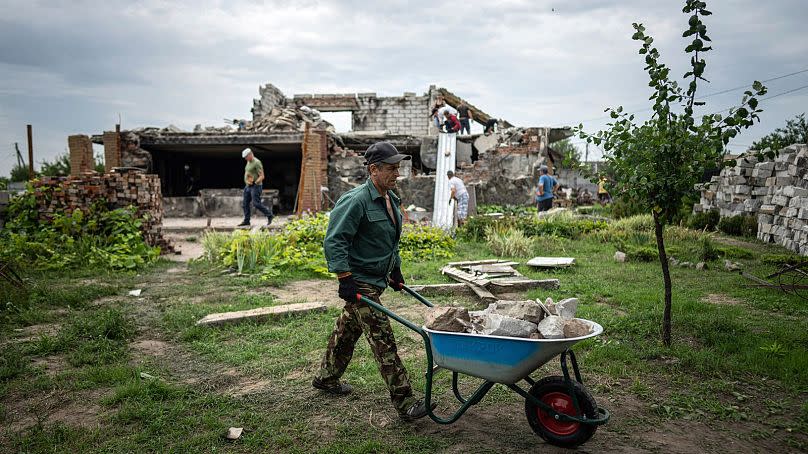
[66, 194]
[408, 114]
[776, 191]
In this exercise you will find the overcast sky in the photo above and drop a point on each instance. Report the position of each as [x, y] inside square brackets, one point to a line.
[74, 67]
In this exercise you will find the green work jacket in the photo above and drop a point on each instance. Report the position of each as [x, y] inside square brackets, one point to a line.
[361, 237]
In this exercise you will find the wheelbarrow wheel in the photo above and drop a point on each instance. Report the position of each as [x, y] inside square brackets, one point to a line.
[554, 392]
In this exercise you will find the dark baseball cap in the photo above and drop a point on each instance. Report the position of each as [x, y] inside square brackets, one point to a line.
[384, 152]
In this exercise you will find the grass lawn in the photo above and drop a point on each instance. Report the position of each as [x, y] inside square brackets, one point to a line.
[87, 368]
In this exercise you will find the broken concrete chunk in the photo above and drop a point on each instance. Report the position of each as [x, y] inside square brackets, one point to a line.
[135, 292]
[234, 433]
[523, 310]
[566, 308]
[552, 327]
[447, 318]
[576, 328]
[620, 257]
[729, 265]
[701, 266]
[550, 305]
[502, 325]
[551, 262]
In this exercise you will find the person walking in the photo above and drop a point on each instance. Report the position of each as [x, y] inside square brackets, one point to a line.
[461, 195]
[253, 188]
[546, 190]
[361, 247]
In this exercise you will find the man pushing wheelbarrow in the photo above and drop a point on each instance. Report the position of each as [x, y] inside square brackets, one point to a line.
[361, 247]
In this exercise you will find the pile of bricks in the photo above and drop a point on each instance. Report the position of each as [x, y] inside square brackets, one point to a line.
[64, 195]
[776, 191]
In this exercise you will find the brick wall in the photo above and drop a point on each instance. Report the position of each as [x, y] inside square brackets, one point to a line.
[64, 195]
[81, 154]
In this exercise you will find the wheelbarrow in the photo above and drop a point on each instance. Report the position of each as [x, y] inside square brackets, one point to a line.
[558, 408]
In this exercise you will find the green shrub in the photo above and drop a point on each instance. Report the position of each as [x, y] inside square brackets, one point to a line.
[508, 242]
[622, 208]
[636, 223]
[732, 252]
[509, 210]
[299, 247]
[636, 253]
[706, 220]
[425, 242]
[475, 226]
[98, 237]
[783, 259]
[708, 250]
[741, 225]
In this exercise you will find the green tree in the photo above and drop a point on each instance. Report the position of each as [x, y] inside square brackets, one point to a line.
[19, 173]
[60, 167]
[658, 161]
[796, 131]
[571, 155]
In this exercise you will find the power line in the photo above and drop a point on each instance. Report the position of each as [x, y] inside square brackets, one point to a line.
[716, 93]
[747, 85]
[768, 97]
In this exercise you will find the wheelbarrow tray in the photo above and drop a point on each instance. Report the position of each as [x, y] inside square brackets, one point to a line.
[498, 359]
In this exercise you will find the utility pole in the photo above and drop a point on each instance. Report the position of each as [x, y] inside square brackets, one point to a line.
[586, 156]
[20, 160]
[30, 153]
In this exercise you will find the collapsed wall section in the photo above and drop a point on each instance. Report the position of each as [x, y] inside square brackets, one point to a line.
[776, 191]
[130, 188]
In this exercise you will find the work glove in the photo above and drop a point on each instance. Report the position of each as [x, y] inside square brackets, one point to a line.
[396, 279]
[348, 289]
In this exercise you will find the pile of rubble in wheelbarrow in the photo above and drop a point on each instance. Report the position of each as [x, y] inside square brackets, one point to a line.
[527, 319]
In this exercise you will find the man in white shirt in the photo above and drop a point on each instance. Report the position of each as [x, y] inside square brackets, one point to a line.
[460, 194]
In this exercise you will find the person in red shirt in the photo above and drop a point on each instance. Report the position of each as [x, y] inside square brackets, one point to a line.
[452, 124]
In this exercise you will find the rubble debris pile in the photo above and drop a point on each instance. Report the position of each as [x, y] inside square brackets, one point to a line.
[447, 318]
[776, 191]
[119, 189]
[525, 319]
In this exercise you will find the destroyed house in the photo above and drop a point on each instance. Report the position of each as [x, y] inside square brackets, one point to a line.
[308, 165]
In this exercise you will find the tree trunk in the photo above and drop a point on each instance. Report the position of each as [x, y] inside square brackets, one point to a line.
[666, 277]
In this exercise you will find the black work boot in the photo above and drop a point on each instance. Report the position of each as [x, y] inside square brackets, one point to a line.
[337, 389]
[417, 410]
[244, 224]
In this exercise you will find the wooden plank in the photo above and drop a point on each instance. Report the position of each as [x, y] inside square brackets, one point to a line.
[462, 276]
[472, 262]
[484, 295]
[260, 314]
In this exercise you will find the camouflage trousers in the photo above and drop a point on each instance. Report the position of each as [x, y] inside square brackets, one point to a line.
[358, 318]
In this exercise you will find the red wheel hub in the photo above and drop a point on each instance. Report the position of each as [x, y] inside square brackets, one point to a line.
[561, 403]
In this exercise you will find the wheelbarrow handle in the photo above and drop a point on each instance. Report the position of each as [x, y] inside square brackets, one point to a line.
[391, 314]
[417, 296]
